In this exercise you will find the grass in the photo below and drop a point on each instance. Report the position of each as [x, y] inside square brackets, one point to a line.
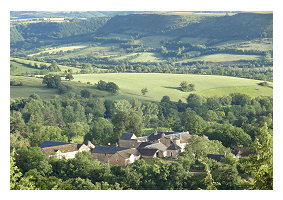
[222, 58]
[158, 85]
[19, 69]
[58, 49]
[24, 69]
[31, 85]
[264, 44]
[147, 57]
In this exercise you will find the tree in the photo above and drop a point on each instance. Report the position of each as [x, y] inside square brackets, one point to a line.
[69, 77]
[85, 93]
[229, 135]
[187, 87]
[112, 87]
[199, 147]
[101, 131]
[260, 162]
[240, 99]
[193, 122]
[52, 81]
[144, 91]
[32, 158]
[194, 101]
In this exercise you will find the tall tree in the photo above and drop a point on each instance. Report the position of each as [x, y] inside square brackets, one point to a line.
[260, 163]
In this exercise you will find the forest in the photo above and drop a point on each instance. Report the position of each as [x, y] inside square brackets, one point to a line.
[228, 122]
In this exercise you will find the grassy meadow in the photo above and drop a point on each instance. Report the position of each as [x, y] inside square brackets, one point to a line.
[160, 85]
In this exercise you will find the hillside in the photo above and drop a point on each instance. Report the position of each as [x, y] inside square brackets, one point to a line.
[158, 85]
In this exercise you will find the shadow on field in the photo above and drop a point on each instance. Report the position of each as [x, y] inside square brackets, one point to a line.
[174, 88]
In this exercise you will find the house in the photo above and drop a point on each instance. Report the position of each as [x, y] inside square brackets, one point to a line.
[124, 157]
[167, 137]
[173, 150]
[148, 153]
[130, 140]
[62, 149]
[241, 152]
[162, 149]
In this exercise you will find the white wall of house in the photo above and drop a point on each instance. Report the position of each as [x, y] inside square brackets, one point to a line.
[69, 155]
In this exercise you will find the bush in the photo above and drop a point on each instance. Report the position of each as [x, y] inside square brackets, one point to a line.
[16, 83]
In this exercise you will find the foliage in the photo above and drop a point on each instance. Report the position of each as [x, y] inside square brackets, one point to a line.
[69, 77]
[260, 162]
[85, 93]
[187, 87]
[52, 81]
[198, 147]
[110, 86]
[144, 91]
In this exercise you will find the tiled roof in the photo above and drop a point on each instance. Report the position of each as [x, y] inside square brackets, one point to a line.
[143, 144]
[63, 148]
[127, 136]
[107, 149]
[168, 134]
[52, 143]
[173, 146]
[128, 152]
[148, 152]
[158, 146]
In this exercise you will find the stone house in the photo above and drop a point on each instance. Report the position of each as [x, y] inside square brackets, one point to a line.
[124, 157]
[113, 155]
[130, 140]
[241, 152]
[148, 153]
[162, 149]
[62, 149]
[173, 150]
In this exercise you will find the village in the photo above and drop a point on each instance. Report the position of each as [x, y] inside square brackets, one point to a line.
[159, 144]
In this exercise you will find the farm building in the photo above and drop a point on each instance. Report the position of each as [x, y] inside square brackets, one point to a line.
[115, 155]
[63, 149]
[131, 148]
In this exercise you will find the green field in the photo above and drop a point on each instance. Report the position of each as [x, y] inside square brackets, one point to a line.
[21, 68]
[33, 85]
[222, 58]
[58, 49]
[160, 85]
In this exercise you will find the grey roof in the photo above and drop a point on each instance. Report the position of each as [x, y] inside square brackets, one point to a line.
[158, 146]
[143, 144]
[155, 136]
[107, 149]
[216, 157]
[148, 152]
[52, 144]
[173, 146]
[127, 136]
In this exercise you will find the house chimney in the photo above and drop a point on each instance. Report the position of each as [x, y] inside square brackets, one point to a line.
[108, 144]
[155, 133]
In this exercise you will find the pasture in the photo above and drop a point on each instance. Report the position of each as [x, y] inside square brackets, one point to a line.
[223, 58]
[160, 85]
